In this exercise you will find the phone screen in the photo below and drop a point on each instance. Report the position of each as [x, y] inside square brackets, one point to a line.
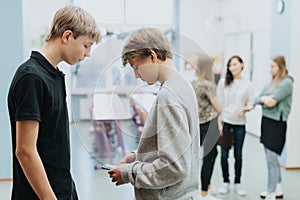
[105, 167]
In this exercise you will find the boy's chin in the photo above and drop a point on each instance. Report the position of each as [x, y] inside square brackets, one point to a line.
[150, 83]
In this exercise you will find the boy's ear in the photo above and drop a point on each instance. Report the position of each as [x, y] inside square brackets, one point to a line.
[153, 56]
[66, 35]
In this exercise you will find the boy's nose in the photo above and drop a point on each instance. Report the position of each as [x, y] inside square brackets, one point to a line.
[137, 75]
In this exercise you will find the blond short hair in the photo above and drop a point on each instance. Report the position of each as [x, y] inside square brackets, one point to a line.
[75, 19]
[142, 41]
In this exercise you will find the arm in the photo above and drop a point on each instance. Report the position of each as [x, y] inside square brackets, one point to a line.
[173, 161]
[264, 99]
[268, 101]
[220, 93]
[220, 100]
[250, 101]
[129, 158]
[115, 173]
[283, 90]
[258, 99]
[220, 125]
[29, 159]
[216, 105]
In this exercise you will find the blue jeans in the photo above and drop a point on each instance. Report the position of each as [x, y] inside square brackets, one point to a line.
[274, 175]
[239, 136]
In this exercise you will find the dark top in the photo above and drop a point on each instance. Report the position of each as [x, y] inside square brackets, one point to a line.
[37, 92]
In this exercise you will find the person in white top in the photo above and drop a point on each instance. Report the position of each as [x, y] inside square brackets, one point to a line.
[236, 96]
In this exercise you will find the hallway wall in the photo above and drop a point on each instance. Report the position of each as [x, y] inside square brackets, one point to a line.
[205, 22]
[15, 47]
[293, 136]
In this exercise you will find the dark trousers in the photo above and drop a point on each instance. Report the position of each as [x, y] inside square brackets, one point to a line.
[239, 136]
[209, 134]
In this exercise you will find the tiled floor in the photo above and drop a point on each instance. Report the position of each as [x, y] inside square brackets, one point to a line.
[95, 184]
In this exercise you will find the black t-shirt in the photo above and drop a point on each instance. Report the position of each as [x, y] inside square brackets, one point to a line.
[37, 92]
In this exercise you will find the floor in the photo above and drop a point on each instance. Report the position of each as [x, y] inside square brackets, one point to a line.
[95, 184]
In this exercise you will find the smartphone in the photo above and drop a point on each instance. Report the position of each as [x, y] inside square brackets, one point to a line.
[105, 167]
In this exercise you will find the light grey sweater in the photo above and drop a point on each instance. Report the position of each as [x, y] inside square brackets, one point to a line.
[167, 160]
[233, 98]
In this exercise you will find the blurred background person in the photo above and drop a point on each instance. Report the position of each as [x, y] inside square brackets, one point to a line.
[209, 109]
[236, 97]
[276, 100]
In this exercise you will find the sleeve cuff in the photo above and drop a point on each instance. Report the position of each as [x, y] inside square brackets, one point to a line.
[257, 100]
[135, 152]
[126, 172]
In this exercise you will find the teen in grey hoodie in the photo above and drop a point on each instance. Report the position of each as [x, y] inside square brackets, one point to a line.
[166, 163]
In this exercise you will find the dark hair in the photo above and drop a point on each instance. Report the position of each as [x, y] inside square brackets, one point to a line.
[229, 77]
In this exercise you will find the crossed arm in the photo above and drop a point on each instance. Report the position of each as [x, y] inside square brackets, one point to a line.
[268, 100]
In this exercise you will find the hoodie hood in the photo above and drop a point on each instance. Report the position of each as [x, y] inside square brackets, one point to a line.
[290, 77]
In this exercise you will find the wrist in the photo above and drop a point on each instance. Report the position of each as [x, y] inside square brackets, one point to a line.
[247, 108]
[132, 154]
[262, 100]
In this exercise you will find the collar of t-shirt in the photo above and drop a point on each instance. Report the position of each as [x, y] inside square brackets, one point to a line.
[46, 64]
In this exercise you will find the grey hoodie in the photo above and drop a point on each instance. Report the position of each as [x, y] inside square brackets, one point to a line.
[167, 160]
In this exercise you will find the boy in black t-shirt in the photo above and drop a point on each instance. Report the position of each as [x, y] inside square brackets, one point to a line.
[38, 110]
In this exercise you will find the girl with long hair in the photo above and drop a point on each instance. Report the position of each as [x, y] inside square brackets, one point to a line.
[236, 97]
[275, 99]
[209, 110]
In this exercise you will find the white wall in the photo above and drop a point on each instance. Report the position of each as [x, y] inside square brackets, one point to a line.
[40, 17]
[15, 46]
[206, 22]
[293, 136]
[255, 16]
